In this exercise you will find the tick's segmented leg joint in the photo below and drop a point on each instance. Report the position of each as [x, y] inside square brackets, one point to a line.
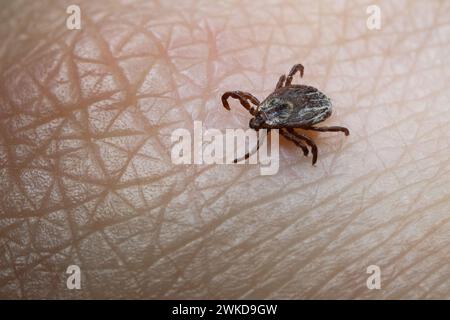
[242, 97]
[280, 82]
[295, 68]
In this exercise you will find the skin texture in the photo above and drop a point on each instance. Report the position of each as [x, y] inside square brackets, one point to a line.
[87, 179]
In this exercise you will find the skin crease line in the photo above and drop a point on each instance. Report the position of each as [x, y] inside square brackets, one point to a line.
[87, 180]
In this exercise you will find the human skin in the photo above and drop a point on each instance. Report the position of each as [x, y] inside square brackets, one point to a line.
[85, 142]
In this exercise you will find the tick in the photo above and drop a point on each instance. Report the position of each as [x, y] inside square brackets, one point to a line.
[288, 107]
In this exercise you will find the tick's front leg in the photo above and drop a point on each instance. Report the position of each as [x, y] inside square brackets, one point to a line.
[242, 97]
[248, 154]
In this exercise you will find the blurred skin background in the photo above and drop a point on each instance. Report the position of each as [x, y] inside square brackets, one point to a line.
[87, 179]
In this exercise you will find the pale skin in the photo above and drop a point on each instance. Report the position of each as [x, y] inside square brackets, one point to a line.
[87, 179]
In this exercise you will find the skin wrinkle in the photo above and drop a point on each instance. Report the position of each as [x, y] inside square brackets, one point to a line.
[141, 227]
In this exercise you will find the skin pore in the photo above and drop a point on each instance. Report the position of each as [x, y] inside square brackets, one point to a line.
[87, 179]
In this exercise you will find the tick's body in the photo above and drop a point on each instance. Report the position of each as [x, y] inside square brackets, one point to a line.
[296, 106]
[288, 107]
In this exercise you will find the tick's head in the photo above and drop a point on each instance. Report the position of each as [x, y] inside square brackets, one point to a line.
[258, 121]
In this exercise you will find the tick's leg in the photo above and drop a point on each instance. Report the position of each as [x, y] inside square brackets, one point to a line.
[308, 141]
[247, 155]
[250, 97]
[297, 67]
[280, 82]
[242, 97]
[291, 137]
[331, 129]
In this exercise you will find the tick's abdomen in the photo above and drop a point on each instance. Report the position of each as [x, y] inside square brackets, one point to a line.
[310, 106]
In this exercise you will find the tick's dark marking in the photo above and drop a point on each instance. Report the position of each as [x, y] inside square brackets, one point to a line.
[289, 106]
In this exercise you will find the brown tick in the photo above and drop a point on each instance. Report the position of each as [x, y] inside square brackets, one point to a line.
[289, 107]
